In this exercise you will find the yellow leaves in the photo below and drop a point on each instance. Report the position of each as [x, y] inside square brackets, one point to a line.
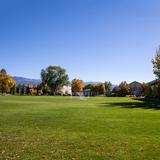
[33, 91]
[6, 82]
[11, 82]
[96, 88]
[77, 85]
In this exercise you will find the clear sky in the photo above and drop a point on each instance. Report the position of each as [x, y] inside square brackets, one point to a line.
[95, 40]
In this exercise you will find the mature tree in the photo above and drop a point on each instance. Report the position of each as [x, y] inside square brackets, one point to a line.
[155, 91]
[3, 72]
[158, 89]
[156, 63]
[96, 89]
[45, 88]
[7, 83]
[11, 83]
[99, 88]
[39, 89]
[148, 91]
[108, 87]
[77, 85]
[124, 89]
[116, 90]
[144, 88]
[53, 78]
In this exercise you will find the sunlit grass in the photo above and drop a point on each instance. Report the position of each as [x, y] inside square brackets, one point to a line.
[70, 128]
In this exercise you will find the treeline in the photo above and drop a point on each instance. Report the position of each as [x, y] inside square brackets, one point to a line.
[54, 78]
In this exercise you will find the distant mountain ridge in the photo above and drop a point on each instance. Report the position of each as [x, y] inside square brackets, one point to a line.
[91, 82]
[35, 82]
[26, 81]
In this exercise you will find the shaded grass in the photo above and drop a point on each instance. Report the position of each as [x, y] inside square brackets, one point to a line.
[69, 128]
[138, 103]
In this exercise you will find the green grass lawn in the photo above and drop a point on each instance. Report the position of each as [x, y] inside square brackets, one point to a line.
[101, 128]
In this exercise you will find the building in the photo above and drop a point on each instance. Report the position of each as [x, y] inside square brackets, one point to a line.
[87, 92]
[136, 88]
[66, 90]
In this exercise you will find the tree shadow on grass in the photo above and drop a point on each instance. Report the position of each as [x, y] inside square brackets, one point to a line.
[138, 103]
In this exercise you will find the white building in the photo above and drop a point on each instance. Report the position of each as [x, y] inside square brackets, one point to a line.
[66, 90]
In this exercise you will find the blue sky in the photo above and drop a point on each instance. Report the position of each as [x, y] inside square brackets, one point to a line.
[95, 40]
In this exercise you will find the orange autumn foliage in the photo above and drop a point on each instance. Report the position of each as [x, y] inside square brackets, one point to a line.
[6, 81]
[77, 85]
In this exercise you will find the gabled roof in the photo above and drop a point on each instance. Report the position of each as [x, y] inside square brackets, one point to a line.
[135, 82]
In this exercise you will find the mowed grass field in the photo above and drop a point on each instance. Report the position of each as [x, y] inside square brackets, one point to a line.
[65, 128]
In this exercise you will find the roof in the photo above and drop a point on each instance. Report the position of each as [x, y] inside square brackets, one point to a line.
[135, 82]
[154, 81]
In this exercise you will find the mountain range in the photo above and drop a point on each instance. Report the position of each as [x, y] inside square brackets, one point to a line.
[26, 81]
[35, 82]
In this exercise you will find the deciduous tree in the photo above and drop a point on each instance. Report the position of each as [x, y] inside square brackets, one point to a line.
[108, 87]
[123, 89]
[7, 83]
[77, 85]
[96, 89]
[99, 88]
[53, 78]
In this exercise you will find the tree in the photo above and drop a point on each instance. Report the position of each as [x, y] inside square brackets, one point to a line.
[156, 63]
[10, 82]
[116, 90]
[148, 91]
[77, 85]
[7, 83]
[39, 89]
[3, 72]
[53, 78]
[124, 89]
[151, 92]
[155, 91]
[99, 88]
[144, 86]
[45, 88]
[158, 89]
[108, 87]
[96, 89]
